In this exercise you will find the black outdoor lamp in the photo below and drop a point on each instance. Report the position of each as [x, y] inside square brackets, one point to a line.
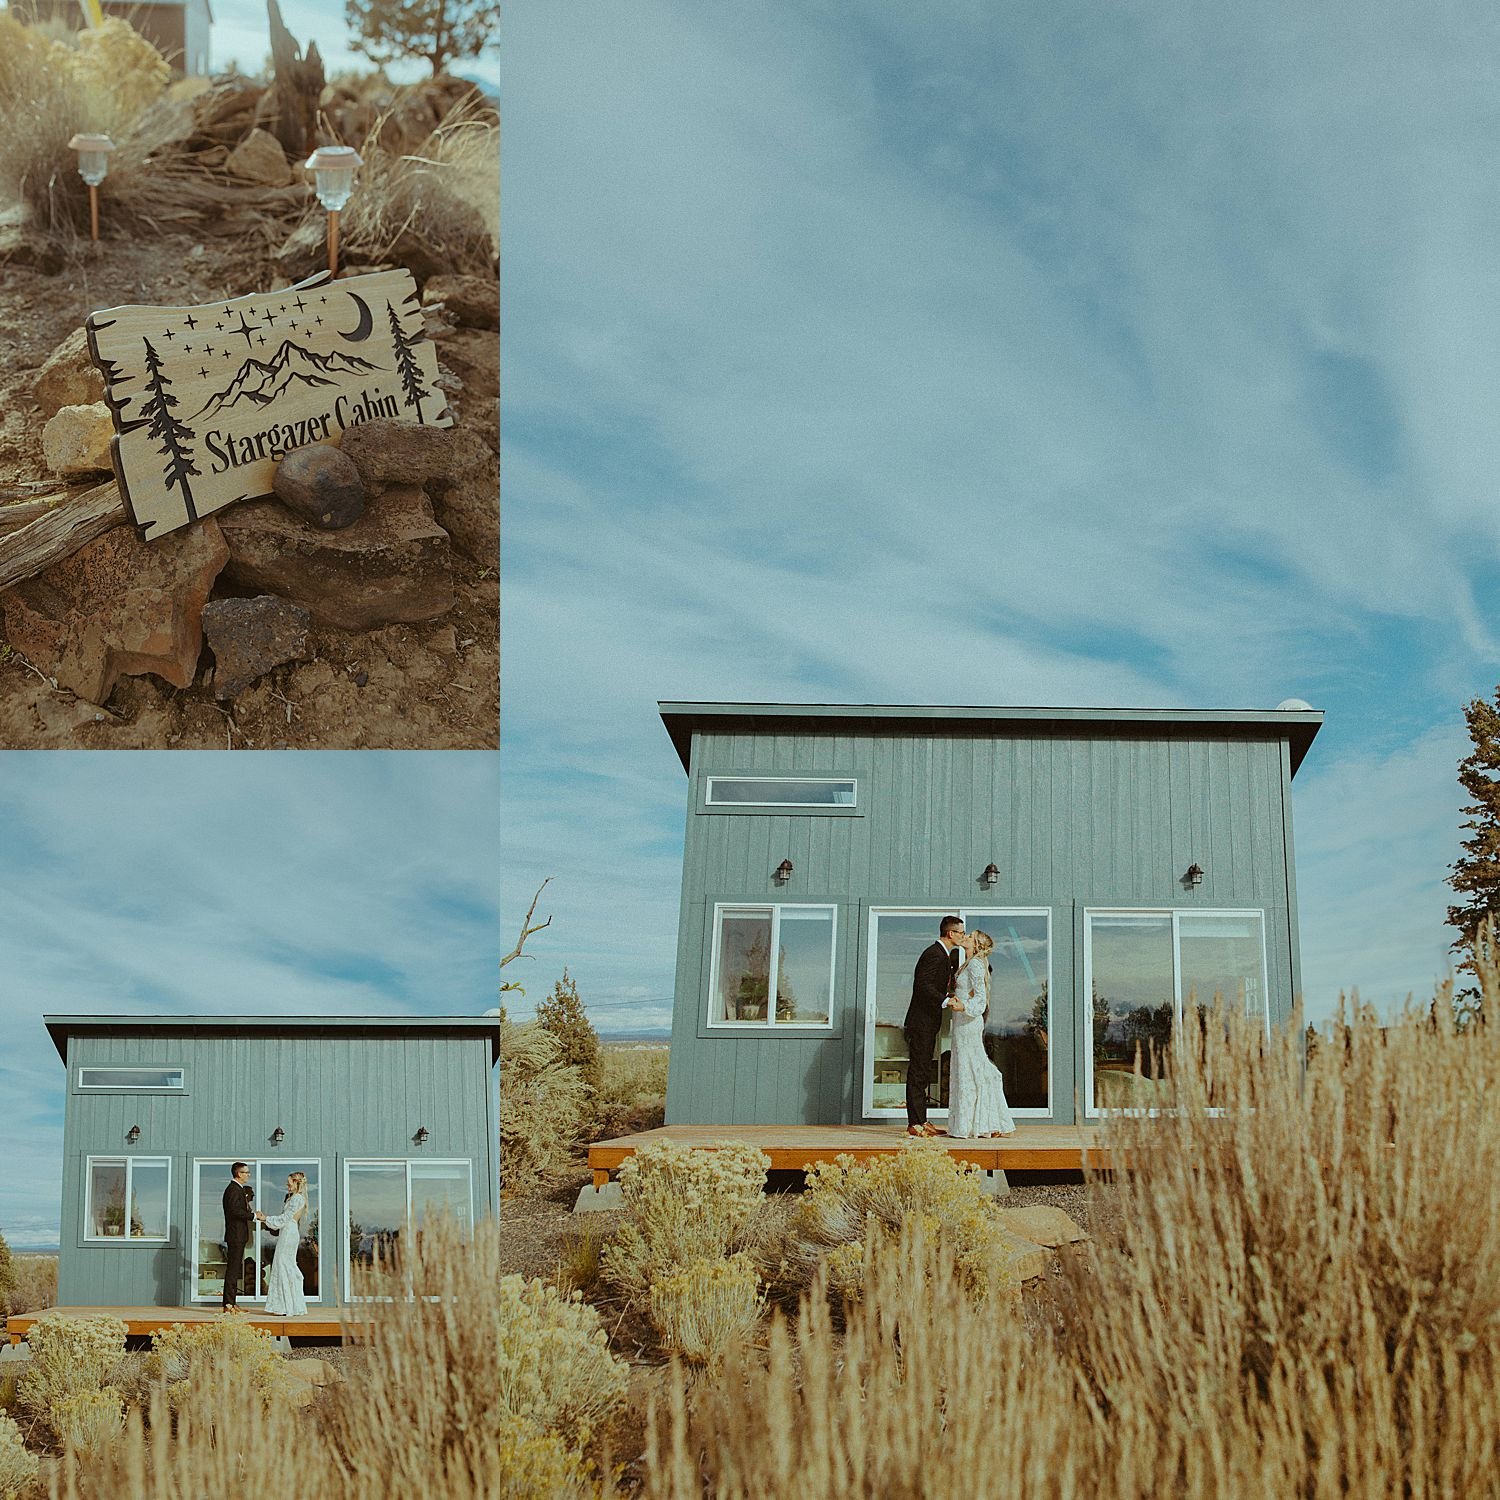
[1194, 875]
[783, 872]
[989, 876]
[278, 1136]
[132, 1135]
[421, 1136]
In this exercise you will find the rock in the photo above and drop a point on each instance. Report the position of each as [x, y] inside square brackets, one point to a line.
[69, 377]
[305, 249]
[474, 301]
[592, 1200]
[467, 503]
[387, 452]
[1027, 1259]
[118, 607]
[259, 158]
[394, 563]
[299, 1392]
[76, 440]
[313, 1371]
[249, 637]
[1042, 1224]
[22, 245]
[320, 484]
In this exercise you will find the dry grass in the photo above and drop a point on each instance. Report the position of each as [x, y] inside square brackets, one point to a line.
[35, 1283]
[51, 90]
[544, 1108]
[632, 1090]
[1302, 1299]
[428, 1415]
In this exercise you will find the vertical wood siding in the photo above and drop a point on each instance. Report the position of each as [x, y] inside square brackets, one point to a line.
[334, 1096]
[1072, 819]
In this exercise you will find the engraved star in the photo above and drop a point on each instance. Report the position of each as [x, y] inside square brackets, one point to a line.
[292, 326]
[191, 321]
[320, 322]
[169, 334]
[208, 348]
[219, 326]
[282, 308]
[203, 374]
[187, 348]
[244, 328]
[261, 342]
[271, 317]
[299, 304]
[322, 301]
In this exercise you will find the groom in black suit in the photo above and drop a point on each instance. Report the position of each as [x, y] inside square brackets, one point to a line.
[931, 984]
[238, 1217]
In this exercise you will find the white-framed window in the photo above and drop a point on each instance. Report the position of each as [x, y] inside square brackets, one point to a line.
[781, 791]
[785, 951]
[268, 1189]
[1018, 1030]
[127, 1199]
[1141, 967]
[115, 1077]
[388, 1199]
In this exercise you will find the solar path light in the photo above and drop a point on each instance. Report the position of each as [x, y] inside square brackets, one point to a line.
[333, 169]
[93, 164]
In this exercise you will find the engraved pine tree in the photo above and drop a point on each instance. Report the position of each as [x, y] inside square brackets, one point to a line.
[406, 365]
[172, 436]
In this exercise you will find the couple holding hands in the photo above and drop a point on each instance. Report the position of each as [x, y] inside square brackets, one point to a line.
[954, 973]
[284, 1293]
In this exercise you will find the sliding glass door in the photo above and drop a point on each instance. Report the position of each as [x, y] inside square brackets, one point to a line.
[388, 1201]
[1142, 969]
[268, 1182]
[1018, 1030]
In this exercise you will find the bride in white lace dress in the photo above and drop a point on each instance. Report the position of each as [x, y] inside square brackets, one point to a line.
[284, 1285]
[976, 1092]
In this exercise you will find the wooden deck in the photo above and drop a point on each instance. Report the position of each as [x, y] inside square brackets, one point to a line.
[1033, 1147]
[316, 1323]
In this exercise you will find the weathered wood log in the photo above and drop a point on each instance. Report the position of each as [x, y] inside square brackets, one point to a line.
[18, 513]
[297, 89]
[74, 522]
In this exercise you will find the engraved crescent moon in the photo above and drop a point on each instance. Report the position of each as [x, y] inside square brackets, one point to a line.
[366, 322]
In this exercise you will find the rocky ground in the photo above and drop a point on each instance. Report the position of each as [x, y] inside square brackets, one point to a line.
[73, 669]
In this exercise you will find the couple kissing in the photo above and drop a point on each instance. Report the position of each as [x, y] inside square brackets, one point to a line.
[954, 973]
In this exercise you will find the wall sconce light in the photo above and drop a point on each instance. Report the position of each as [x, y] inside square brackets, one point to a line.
[783, 872]
[133, 1135]
[1194, 875]
[989, 876]
[421, 1136]
[278, 1136]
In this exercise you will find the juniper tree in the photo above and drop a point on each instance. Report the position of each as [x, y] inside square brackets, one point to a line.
[7, 1275]
[1476, 874]
[562, 1014]
[437, 31]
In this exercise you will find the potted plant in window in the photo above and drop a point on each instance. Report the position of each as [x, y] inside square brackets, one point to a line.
[112, 1221]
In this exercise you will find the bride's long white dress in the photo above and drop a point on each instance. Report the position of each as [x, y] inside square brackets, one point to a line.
[284, 1285]
[976, 1091]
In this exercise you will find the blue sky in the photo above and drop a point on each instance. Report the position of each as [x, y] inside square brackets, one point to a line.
[241, 34]
[165, 883]
[1175, 325]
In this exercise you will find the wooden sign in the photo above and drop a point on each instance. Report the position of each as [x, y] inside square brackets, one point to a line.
[207, 399]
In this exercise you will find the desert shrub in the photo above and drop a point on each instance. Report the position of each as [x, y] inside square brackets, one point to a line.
[52, 90]
[34, 1284]
[708, 1308]
[846, 1197]
[1302, 1297]
[7, 1275]
[90, 1421]
[535, 1462]
[544, 1105]
[580, 1265]
[69, 1357]
[631, 1093]
[563, 1016]
[685, 1205]
[556, 1368]
[18, 1468]
[189, 1356]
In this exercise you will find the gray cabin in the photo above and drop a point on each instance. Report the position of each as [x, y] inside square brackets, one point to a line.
[1126, 862]
[391, 1118]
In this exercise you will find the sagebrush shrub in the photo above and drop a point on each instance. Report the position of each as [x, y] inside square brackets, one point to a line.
[69, 1357]
[555, 1365]
[90, 1421]
[18, 1468]
[686, 1204]
[708, 1308]
[535, 1462]
[188, 1356]
[544, 1107]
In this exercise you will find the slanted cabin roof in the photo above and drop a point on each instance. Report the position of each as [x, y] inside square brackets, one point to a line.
[1296, 726]
[60, 1028]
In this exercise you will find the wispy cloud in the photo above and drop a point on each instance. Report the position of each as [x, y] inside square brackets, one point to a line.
[318, 884]
[1166, 332]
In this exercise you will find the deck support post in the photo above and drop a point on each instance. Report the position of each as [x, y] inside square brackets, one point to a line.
[601, 1177]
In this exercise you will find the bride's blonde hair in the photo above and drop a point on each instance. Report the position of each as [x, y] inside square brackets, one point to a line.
[297, 1182]
[984, 945]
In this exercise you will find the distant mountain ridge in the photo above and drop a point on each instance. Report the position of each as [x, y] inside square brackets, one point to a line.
[262, 381]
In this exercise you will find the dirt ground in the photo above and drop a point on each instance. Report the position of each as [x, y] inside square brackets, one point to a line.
[433, 685]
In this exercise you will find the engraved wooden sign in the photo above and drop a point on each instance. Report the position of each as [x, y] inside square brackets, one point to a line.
[206, 399]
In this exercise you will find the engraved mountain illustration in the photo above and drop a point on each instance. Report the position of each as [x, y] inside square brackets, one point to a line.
[262, 381]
